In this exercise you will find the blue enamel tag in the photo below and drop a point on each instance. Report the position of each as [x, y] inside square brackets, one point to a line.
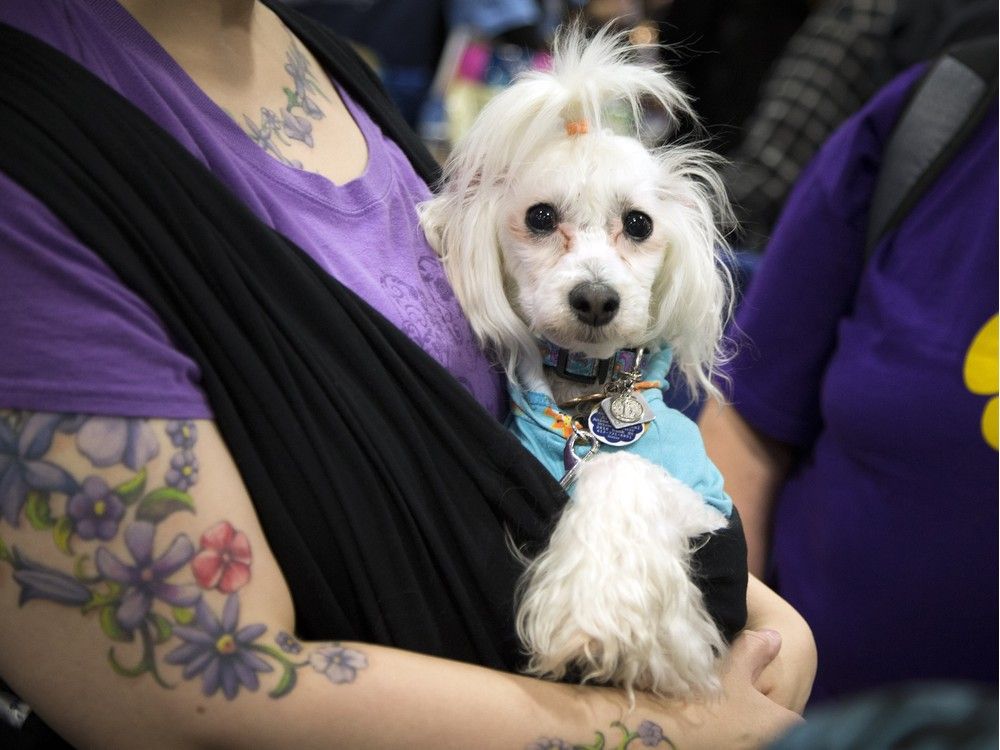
[602, 428]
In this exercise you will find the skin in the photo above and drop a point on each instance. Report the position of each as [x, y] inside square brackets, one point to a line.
[236, 52]
[753, 465]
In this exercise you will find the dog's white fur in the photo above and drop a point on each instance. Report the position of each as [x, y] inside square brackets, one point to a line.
[611, 598]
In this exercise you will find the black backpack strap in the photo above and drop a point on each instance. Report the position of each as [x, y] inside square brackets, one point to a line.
[947, 106]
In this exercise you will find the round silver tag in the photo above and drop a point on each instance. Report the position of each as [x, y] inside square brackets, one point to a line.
[626, 409]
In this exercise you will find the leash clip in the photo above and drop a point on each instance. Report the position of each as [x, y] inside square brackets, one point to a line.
[572, 462]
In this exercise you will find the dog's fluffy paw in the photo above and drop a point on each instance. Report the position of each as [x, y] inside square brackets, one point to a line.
[611, 599]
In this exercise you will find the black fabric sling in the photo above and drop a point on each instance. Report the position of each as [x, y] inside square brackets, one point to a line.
[363, 456]
[384, 489]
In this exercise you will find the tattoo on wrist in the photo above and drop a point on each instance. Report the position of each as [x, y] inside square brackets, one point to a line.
[170, 609]
[648, 734]
[272, 130]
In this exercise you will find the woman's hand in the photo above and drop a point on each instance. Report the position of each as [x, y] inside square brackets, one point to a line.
[742, 717]
[754, 655]
[788, 678]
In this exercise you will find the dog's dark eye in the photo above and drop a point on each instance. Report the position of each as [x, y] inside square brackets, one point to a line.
[637, 225]
[541, 218]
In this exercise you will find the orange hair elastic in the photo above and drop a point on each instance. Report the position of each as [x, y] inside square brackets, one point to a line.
[577, 127]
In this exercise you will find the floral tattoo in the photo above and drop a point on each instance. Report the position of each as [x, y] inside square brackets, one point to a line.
[174, 605]
[648, 733]
[273, 130]
[170, 603]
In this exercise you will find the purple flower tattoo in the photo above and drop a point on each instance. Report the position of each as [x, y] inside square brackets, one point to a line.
[182, 434]
[260, 135]
[339, 664]
[650, 734]
[108, 441]
[264, 136]
[275, 130]
[269, 120]
[183, 471]
[41, 582]
[219, 651]
[297, 128]
[288, 643]
[297, 66]
[21, 467]
[549, 743]
[308, 105]
[95, 510]
[145, 580]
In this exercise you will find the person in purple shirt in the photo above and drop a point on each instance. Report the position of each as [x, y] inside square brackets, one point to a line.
[861, 442]
[141, 598]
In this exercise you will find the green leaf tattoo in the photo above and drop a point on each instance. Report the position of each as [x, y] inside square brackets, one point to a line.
[131, 491]
[37, 510]
[161, 503]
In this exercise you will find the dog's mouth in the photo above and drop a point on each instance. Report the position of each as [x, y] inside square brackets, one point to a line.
[592, 318]
[595, 335]
[599, 342]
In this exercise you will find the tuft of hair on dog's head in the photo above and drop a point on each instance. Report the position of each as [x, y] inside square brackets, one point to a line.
[593, 81]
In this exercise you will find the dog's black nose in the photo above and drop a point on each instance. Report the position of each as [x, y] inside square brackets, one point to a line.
[594, 304]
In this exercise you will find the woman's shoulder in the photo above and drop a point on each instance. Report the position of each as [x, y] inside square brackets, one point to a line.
[75, 338]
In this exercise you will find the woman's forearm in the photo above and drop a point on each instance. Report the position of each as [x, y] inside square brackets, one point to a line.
[753, 467]
[406, 700]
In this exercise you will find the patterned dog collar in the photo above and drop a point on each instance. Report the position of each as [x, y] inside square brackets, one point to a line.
[583, 369]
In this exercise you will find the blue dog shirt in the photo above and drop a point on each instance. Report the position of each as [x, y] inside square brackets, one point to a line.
[672, 440]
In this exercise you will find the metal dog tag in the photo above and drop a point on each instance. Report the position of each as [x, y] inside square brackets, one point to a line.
[627, 409]
[602, 428]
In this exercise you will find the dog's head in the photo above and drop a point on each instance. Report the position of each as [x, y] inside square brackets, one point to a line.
[551, 224]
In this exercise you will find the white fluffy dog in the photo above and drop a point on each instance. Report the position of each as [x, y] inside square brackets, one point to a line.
[555, 228]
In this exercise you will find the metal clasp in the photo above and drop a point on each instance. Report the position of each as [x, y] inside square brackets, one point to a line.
[572, 462]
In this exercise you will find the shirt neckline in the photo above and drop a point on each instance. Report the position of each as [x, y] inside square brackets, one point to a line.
[354, 196]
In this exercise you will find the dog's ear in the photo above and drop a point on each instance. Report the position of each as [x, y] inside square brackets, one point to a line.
[693, 291]
[432, 218]
[462, 226]
[434, 214]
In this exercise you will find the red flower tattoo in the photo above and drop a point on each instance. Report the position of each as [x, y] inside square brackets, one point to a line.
[224, 560]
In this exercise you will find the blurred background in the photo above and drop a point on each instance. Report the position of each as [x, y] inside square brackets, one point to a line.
[771, 79]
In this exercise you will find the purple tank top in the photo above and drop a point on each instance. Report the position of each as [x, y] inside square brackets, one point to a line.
[75, 339]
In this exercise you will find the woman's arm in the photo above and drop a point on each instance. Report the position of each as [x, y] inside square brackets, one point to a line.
[788, 679]
[753, 467]
[142, 607]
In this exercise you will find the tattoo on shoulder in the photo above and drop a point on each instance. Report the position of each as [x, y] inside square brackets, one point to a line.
[171, 608]
[272, 130]
[648, 734]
